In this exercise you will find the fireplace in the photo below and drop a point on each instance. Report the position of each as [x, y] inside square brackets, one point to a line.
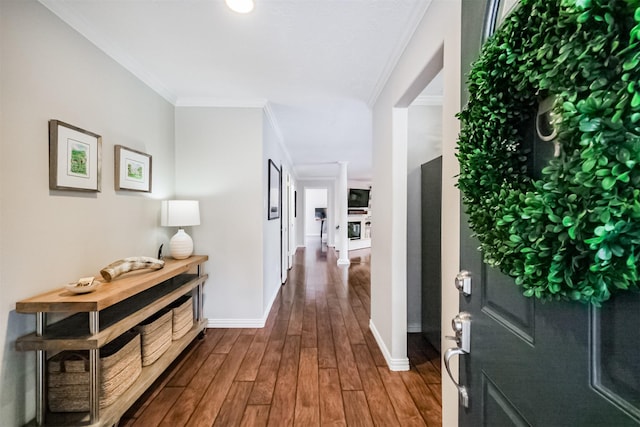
[354, 230]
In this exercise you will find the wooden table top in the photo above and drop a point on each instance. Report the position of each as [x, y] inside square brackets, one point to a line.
[108, 293]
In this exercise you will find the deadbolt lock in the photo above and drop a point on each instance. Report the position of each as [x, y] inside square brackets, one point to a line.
[463, 282]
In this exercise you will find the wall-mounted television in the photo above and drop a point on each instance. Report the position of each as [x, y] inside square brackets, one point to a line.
[358, 198]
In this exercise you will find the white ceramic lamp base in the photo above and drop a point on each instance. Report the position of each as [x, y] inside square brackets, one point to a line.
[181, 245]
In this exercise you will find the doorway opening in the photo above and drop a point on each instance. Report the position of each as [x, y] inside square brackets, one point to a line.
[316, 212]
[424, 213]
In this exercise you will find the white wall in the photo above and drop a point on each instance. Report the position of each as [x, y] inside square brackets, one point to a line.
[219, 162]
[437, 36]
[48, 238]
[352, 183]
[272, 148]
[424, 144]
[315, 198]
[222, 160]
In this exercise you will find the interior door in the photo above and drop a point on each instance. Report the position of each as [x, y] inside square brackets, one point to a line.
[528, 363]
[431, 217]
[292, 197]
[284, 220]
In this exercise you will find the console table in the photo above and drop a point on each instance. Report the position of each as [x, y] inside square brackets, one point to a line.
[96, 318]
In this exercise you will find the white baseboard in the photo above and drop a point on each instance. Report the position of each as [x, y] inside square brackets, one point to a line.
[398, 364]
[271, 301]
[235, 323]
[413, 328]
[332, 245]
[244, 323]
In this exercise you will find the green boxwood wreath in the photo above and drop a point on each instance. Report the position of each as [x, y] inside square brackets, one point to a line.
[573, 233]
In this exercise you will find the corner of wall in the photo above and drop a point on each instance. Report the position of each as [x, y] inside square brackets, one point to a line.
[395, 364]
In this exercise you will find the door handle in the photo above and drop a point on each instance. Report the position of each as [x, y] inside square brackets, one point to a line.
[463, 393]
[461, 325]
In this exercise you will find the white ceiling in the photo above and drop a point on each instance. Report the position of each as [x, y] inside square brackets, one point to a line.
[320, 64]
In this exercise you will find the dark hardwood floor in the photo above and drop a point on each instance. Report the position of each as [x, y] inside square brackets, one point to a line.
[314, 363]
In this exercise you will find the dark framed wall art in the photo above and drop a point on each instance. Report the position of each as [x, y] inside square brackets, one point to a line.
[273, 196]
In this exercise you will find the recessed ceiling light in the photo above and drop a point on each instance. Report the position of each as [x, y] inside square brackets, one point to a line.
[240, 6]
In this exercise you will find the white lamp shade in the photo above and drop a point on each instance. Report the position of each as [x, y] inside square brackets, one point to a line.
[180, 213]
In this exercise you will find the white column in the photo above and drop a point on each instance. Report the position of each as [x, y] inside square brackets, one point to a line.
[341, 192]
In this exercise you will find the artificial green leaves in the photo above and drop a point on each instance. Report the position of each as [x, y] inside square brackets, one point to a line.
[573, 232]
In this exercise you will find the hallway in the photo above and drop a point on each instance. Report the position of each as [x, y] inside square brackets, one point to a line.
[314, 363]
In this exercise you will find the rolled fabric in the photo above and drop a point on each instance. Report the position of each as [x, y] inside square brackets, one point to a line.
[125, 265]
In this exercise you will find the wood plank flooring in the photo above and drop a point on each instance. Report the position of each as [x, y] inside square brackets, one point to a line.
[315, 363]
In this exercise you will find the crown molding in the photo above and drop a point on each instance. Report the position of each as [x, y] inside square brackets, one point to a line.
[317, 178]
[222, 102]
[260, 103]
[271, 118]
[417, 14]
[66, 13]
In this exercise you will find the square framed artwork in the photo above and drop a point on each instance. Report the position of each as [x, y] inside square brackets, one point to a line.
[132, 170]
[75, 158]
[274, 191]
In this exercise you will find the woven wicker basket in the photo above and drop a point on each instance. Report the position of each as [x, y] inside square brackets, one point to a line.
[68, 374]
[155, 334]
[182, 316]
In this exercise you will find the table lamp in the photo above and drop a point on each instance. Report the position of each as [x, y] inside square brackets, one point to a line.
[180, 213]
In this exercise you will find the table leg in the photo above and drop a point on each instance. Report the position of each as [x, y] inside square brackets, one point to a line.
[94, 371]
[41, 361]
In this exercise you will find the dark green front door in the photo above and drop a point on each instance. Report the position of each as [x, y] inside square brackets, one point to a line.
[541, 364]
